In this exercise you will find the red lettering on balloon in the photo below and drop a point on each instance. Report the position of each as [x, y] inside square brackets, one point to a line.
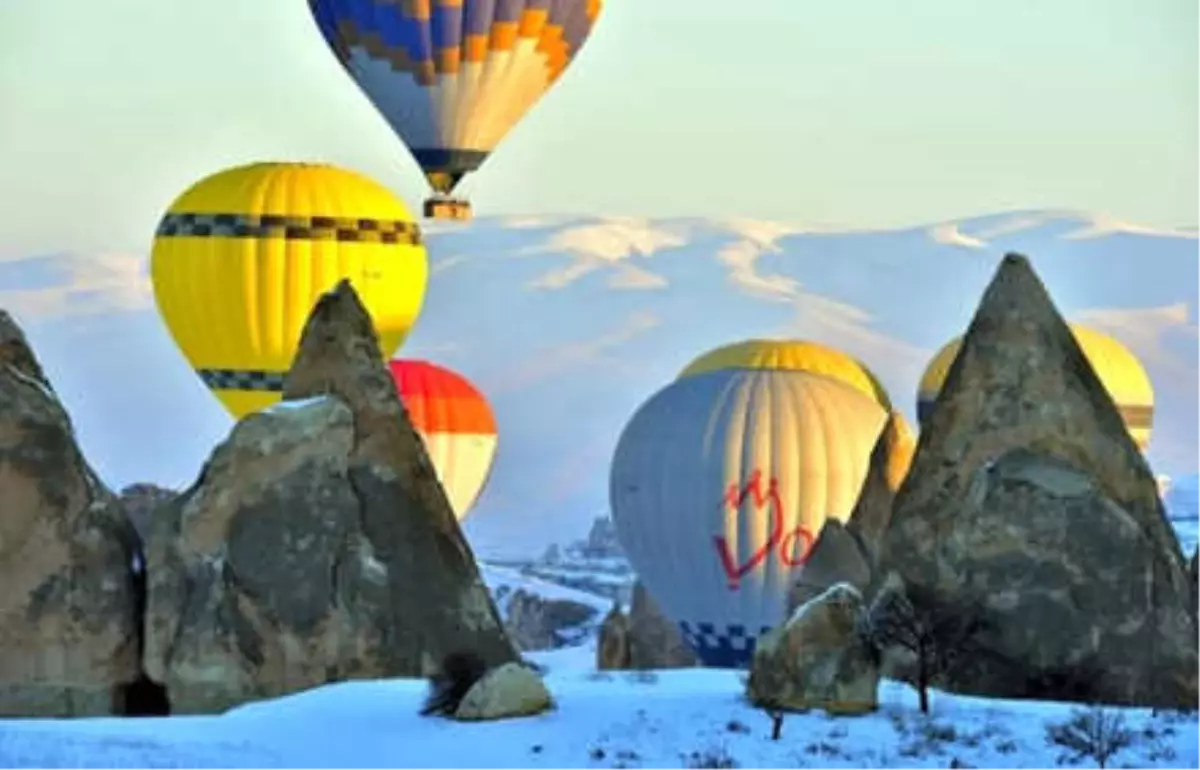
[788, 544]
[768, 497]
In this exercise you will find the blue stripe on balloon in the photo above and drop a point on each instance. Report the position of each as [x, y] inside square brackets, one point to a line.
[362, 14]
[418, 37]
[388, 23]
[447, 25]
[323, 13]
[576, 27]
[477, 16]
[559, 10]
[508, 10]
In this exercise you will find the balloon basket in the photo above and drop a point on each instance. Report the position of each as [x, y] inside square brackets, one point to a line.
[447, 208]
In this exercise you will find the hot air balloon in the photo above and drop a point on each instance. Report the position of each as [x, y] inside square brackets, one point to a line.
[720, 484]
[452, 77]
[241, 257]
[455, 423]
[800, 355]
[1115, 365]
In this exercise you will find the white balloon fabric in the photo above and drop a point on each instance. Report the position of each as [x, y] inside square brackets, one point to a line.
[719, 485]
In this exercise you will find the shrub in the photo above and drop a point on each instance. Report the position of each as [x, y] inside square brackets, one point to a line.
[450, 684]
[1095, 733]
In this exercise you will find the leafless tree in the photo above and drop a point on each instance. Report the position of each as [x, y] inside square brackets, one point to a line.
[455, 677]
[938, 633]
[1097, 732]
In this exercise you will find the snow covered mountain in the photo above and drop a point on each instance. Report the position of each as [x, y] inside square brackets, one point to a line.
[568, 323]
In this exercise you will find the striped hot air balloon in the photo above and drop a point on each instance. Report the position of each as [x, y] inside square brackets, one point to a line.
[1118, 369]
[720, 484]
[455, 423]
[241, 257]
[452, 77]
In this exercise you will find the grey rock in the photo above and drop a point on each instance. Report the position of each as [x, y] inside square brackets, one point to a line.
[1028, 497]
[68, 612]
[317, 544]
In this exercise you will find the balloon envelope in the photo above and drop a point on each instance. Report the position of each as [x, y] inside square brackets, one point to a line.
[795, 355]
[455, 423]
[241, 257]
[1118, 369]
[452, 77]
[721, 482]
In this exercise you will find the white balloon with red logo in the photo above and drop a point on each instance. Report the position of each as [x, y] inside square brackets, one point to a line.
[721, 482]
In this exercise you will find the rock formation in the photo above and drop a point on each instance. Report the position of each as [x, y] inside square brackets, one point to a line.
[142, 502]
[507, 691]
[654, 641]
[644, 639]
[602, 542]
[317, 544]
[846, 553]
[612, 644]
[1194, 574]
[68, 609]
[536, 623]
[817, 659]
[1027, 498]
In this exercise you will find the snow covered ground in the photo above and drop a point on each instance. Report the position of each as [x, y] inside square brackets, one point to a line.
[665, 719]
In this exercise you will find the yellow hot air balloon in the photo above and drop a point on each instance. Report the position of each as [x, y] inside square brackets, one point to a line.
[241, 257]
[792, 355]
[1118, 369]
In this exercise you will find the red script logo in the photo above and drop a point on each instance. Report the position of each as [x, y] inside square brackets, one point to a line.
[768, 498]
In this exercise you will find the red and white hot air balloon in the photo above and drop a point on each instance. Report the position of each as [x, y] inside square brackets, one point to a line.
[456, 423]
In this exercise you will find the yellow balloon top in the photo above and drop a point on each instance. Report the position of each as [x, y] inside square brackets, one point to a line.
[241, 257]
[1118, 369]
[797, 355]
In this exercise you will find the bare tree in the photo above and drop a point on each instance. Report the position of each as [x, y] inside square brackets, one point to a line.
[937, 632]
[450, 684]
[1096, 732]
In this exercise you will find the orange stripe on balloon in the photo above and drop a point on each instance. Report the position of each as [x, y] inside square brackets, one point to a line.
[439, 400]
[425, 72]
[447, 61]
[447, 414]
[533, 20]
[504, 36]
[475, 48]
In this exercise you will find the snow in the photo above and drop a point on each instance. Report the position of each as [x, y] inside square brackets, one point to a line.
[505, 581]
[656, 719]
[288, 405]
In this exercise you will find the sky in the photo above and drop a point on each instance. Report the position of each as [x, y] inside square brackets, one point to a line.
[858, 113]
[888, 124]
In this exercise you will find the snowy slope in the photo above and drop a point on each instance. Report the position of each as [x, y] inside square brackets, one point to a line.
[666, 719]
[503, 581]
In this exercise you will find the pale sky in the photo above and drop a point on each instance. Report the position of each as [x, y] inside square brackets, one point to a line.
[868, 113]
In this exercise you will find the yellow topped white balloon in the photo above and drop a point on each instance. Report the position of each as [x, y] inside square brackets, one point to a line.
[793, 355]
[721, 482]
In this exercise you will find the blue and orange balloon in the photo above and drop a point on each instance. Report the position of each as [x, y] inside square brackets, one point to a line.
[452, 77]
